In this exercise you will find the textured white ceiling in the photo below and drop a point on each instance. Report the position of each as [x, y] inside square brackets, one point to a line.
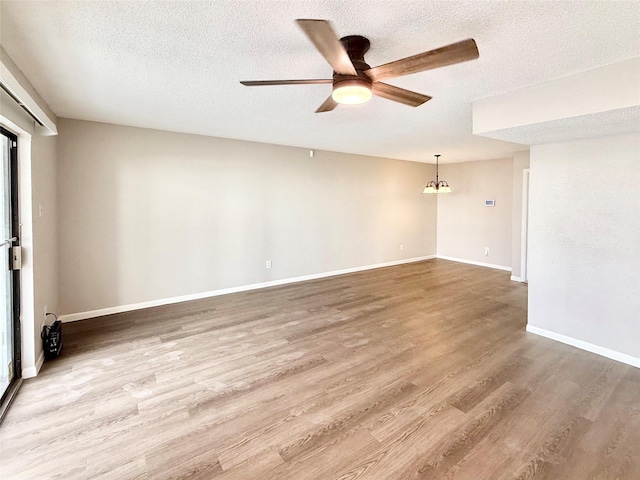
[176, 65]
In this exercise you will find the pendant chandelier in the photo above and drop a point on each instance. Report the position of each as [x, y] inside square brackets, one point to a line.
[439, 186]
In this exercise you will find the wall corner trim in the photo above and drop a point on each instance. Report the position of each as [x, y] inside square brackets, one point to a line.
[471, 262]
[72, 317]
[589, 347]
[31, 372]
[516, 279]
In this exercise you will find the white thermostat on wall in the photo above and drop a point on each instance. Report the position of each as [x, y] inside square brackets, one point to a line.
[489, 203]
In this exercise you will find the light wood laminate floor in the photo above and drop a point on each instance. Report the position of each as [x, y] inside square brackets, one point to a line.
[418, 371]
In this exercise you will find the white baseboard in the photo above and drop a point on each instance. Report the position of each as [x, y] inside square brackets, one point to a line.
[471, 262]
[31, 372]
[589, 347]
[516, 279]
[72, 317]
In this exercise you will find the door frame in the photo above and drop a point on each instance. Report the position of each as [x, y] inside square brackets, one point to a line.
[524, 233]
[32, 356]
[15, 382]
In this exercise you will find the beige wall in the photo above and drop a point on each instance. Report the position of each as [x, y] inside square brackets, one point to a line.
[584, 243]
[520, 163]
[148, 215]
[465, 225]
[45, 231]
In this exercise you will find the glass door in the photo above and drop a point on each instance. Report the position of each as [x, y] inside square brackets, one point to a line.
[9, 280]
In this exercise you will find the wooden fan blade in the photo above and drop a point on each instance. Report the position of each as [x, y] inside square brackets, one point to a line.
[328, 105]
[260, 83]
[413, 99]
[326, 41]
[440, 57]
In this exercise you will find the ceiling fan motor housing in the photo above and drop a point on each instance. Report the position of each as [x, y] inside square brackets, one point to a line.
[356, 46]
[362, 79]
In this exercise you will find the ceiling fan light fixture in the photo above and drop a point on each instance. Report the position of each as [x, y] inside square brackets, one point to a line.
[351, 92]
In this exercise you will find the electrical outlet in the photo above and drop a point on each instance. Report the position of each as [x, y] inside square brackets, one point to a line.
[486, 251]
[268, 265]
[401, 246]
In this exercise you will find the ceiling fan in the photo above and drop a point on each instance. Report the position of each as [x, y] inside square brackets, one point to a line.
[354, 81]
